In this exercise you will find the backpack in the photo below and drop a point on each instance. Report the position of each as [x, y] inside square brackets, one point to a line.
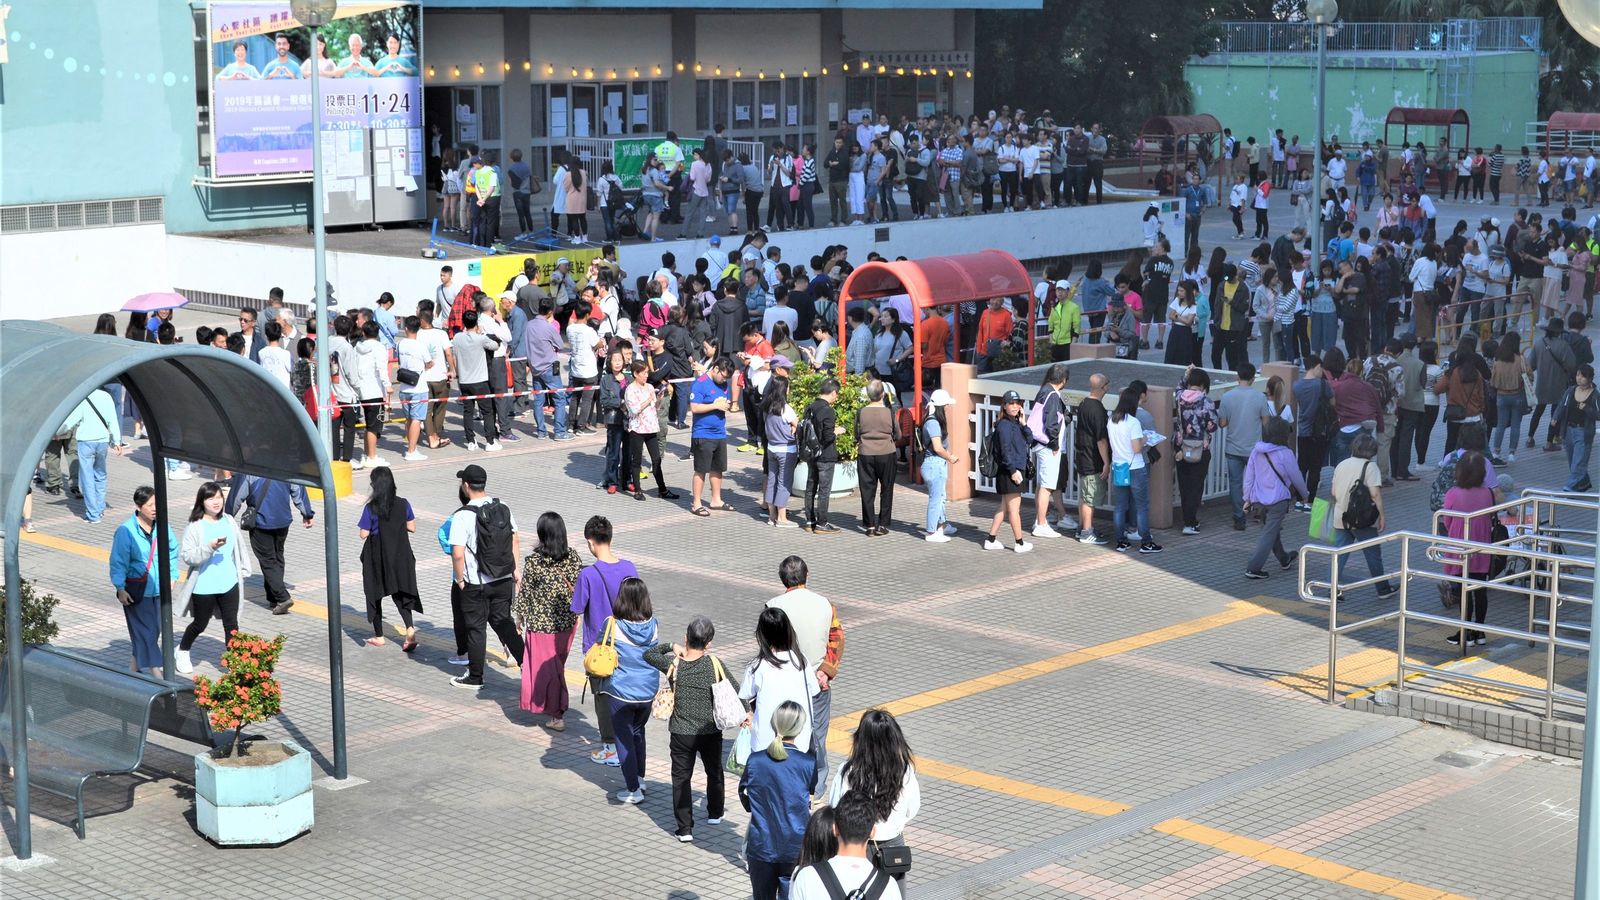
[989, 455]
[495, 535]
[1036, 423]
[1442, 483]
[1325, 418]
[1360, 511]
[1379, 379]
[807, 440]
[912, 166]
[871, 889]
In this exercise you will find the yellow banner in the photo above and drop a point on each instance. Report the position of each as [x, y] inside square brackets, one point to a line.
[233, 21]
[493, 273]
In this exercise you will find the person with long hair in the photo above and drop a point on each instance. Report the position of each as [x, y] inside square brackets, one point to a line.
[1130, 475]
[1183, 346]
[543, 613]
[653, 186]
[936, 464]
[776, 790]
[631, 688]
[218, 562]
[1428, 352]
[1011, 445]
[779, 673]
[1197, 423]
[1464, 387]
[1469, 495]
[819, 843]
[1508, 378]
[880, 767]
[136, 576]
[450, 208]
[643, 424]
[388, 567]
[1578, 411]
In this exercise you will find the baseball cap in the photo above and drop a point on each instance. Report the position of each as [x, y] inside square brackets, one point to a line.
[941, 397]
[563, 261]
[1063, 285]
[473, 474]
[649, 331]
[1011, 397]
[1498, 251]
[716, 240]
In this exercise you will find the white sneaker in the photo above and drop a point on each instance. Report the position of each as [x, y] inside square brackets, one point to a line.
[1023, 547]
[415, 456]
[459, 659]
[179, 475]
[992, 544]
[1511, 457]
[374, 462]
[492, 446]
[936, 537]
[605, 756]
[185, 665]
[472, 447]
[1065, 523]
[631, 797]
[716, 821]
[356, 465]
[1044, 531]
[949, 529]
[1190, 529]
[1132, 534]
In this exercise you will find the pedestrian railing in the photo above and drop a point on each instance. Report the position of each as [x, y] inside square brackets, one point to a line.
[1495, 34]
[1535, 562]
[1517, 312]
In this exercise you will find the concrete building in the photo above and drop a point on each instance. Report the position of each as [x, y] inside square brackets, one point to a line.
[1262, 76]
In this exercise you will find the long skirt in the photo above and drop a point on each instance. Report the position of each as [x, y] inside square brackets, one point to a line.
[544, 681]
[144, 630]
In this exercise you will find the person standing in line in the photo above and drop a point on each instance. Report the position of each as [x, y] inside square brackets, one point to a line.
[820, 639]
[775, 789]
[436, 377]
[881, 768]
[1313, 397]
[709, 401]
[936, 466]
[584, 366]
[484, 549]
[96, 428]
[1508, 376]
[1578, 411]
[1010, 449]
[593, 598]
[213, 549]
[632, 687]
[1091, 458]
[274, 503]
[1130, 474]
[388, 567]
[1469, 494]
[472, 347]
[1410, 409]
[1197, 423]
[1271, 482]
[612, 383]
[820, 481]
[1244, 411]
[779, 422]
[543, 343]
[543, 613]
[877, 433]
[369, 376]
[1046, 449]
[420, 359]
[639, 406]
[1359, 471]
[136, 576]
[692, 728]
[1428, 353]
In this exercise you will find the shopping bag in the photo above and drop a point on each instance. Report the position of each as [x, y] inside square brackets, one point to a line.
[740, 754]
[1321, 527]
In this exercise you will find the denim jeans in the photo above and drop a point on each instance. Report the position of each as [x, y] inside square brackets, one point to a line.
[770, 880]
[935, 472]
[1339, 448]
[888, 210]
[92, 477]
[614, 438]
[1324, 331]
[1236, 485]
[1508, 421]
[1138, 494]
[628, 719]
[548, 378]
[1579, 443]
[1343, 537]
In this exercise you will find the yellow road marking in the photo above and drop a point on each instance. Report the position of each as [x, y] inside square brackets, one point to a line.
[1360, 673]
[1321, 869]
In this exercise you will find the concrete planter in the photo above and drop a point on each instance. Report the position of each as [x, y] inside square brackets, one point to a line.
[844, 478]
[239, 804]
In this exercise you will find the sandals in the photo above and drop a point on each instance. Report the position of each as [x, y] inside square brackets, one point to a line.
[410, 644]
[725, 507]
[700, 511]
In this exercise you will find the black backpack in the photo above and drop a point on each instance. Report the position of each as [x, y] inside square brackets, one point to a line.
[1325, 419]
[807, 440]
[871, 889]
[495, 536]
[989, 455]
[1360, 510]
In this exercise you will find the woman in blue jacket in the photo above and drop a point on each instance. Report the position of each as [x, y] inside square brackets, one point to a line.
[632, 687]
[1011, 451]
[776, 790]
[136, 574]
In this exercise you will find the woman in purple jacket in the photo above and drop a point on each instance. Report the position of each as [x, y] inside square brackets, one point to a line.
[1271, 481]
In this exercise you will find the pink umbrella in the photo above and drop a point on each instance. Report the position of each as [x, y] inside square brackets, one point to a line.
[153, 302]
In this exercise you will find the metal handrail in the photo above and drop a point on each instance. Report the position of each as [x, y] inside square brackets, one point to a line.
[1549, 568]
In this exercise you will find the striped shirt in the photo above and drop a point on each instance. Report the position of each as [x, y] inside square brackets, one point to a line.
[1497, 164]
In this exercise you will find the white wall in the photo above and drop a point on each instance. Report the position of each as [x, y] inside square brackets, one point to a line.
[73, 273]
[247, 269]
[464, 40]
[900, 29]
[767, 41]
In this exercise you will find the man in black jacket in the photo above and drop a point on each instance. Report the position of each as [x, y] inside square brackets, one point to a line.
[837, 167]
[820, 484]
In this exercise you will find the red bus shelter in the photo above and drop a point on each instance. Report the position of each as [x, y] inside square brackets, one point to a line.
[1565, 124]
[933, 282]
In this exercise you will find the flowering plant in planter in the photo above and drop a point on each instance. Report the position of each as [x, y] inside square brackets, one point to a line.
[247, 693]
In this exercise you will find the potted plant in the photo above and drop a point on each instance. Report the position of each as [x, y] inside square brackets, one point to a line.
[804, 382]
[257, 792]
[38, 624]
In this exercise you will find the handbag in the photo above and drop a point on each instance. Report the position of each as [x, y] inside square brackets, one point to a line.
[893, 859]
[407, 376]
[666, 698]
[136, 586]
[1121, 474]
[1192, 450]
[739, 755]
[601, 659]
[247, 510]
[726, 708]
[1321, 525]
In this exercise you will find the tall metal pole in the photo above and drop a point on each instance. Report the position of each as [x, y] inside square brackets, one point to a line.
[1588, 879]
[319, 250]
[1316, 192]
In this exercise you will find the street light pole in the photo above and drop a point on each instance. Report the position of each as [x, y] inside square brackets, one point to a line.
[1322, 13]
[319, 249]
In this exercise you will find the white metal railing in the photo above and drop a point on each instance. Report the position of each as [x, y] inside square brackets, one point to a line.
[1536, 566]
[1537, 133]
[1454, 35]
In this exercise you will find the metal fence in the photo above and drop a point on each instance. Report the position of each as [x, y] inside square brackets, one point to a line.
[1454, 36]
[1537, 133]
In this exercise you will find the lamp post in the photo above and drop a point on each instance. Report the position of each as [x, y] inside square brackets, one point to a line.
[313, 14]
[1321, 14]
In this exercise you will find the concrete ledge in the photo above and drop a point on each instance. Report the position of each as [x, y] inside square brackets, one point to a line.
[1492, 723]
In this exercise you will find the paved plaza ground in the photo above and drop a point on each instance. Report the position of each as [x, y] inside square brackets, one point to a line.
[1086, 723]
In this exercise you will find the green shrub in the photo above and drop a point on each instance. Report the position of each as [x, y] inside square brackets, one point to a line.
[38, 623]
[804, 382]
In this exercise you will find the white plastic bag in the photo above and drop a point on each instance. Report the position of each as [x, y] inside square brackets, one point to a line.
[740, 754]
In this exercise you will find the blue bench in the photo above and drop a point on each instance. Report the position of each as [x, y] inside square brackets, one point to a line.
[86, 718]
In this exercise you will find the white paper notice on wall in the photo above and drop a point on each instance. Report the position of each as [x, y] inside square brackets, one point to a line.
[407, 184]
[363, 190]
[381, 173]
[558, 117]
[641, 109]
[769, 111]
[580, 123]
[833, 113]
[741, 113]
[794, 115]
[853, 117]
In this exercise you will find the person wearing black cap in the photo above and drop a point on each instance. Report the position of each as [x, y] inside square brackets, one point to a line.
[484, 557]
[1011, 451]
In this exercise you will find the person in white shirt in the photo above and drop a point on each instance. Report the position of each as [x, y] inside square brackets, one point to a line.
[420, 358]
[779, 312]
[584, 366]
[276, 360]
[850, 870]
[880, 768]
[1032, 197]
[436, 377]
[1336, 169]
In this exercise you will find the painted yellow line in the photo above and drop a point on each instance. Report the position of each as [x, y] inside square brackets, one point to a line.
[1361, 673]
[1321, 869]
[1011, 787]
[67, 545]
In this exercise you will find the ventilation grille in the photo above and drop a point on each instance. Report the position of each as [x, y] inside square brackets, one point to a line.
[85, 214]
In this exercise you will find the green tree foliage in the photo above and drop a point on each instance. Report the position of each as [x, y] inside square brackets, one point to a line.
[38, 616]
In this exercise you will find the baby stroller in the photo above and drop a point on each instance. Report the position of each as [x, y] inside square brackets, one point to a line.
[627, 224]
